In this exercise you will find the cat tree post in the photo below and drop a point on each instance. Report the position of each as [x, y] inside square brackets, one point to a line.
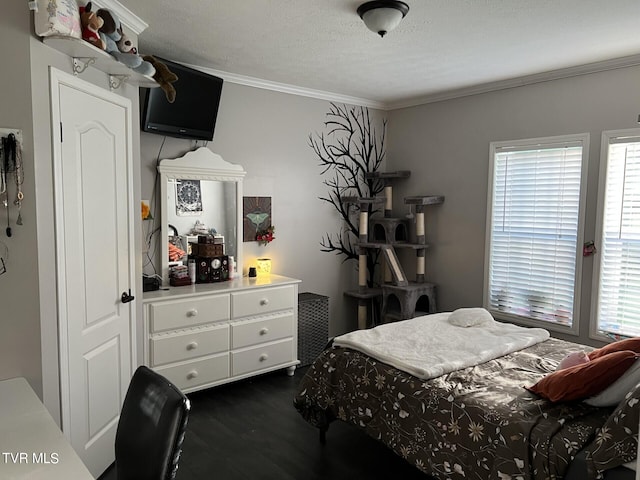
[420, 203]
[364, 294]
[363, 235]
[387, 178]
[362, 287]
[421, 265]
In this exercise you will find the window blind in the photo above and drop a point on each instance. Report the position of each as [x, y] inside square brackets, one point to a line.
[535, 212]
[619, 276]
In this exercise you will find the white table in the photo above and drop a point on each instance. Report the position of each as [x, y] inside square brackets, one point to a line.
[31, 444]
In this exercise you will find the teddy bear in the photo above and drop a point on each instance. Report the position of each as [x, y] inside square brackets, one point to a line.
[91, 23]
[111, 33]
[164, 77]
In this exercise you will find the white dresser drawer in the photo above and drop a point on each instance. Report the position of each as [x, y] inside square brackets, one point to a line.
[264, 300]
[188, 313]
[252, 332]
[262, 356]
[184, 345]
[198, 372]
[212, 334]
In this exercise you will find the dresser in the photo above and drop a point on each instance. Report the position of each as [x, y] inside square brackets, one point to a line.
[203, 335]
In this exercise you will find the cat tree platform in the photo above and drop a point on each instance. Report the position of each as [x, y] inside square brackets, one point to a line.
[402, 302]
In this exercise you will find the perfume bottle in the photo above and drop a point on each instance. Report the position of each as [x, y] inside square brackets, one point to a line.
[192, 271]
[232, 267]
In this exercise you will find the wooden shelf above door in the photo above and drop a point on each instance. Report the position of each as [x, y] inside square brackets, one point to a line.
[84, 55]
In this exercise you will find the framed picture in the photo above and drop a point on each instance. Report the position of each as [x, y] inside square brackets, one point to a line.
[256, 216]
[188, 197]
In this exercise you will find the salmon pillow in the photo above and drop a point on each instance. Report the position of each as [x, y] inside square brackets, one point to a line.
[632, 344]
[584, 380]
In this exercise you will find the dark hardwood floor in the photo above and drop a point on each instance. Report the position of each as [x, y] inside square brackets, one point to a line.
[249, 430]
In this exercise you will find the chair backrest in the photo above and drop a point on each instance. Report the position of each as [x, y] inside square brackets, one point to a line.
[151, 428]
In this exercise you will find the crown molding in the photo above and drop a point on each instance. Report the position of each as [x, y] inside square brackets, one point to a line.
[606, 65]
[126, 16]
[290, 89]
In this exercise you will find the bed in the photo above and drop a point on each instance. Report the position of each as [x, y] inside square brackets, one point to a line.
[476, 422]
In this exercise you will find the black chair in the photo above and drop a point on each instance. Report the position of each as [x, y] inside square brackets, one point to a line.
[151, 428]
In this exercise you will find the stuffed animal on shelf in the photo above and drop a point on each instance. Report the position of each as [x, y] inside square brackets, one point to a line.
[164, 77]
[111, 33]
[125, 45]
[109, 29]
[91, 23]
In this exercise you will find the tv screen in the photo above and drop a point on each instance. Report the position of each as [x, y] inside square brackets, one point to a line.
[195, 109]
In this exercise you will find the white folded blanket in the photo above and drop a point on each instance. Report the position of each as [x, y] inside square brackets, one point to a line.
[430, 346]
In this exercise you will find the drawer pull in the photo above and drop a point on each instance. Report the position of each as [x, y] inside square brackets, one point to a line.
[264, 301]
[192, 346]
[192, 313]
[192, 374]
[264, 331]
[263, 357]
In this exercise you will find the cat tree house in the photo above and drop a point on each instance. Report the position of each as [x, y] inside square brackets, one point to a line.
[401, 298]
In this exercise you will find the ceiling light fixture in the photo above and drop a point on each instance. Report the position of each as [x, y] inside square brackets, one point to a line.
[382, 16]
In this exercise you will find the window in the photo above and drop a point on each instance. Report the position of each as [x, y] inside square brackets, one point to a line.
[534, 228]
[617, 265]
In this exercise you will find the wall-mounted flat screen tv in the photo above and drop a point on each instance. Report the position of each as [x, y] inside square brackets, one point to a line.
[194, 112]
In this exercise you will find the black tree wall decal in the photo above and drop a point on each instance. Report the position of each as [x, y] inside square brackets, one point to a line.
[348, 149]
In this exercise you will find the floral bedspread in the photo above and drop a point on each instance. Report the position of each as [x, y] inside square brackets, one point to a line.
[476, 423]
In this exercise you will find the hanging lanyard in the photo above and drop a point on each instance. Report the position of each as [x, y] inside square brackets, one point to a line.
[16, 152]
[5, 192]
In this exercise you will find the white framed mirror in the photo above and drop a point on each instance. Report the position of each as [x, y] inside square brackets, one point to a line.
[200, 191]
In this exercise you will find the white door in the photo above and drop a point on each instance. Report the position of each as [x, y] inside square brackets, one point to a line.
[95, 262]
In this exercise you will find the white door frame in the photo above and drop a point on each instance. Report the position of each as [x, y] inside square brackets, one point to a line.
[57, 78]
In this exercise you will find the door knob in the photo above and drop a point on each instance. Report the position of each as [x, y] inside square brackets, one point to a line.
[127, 297]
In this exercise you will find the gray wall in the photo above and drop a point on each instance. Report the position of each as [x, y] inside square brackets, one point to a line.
[19, 315]
[267, 133]
[28, 307]
[446, 146]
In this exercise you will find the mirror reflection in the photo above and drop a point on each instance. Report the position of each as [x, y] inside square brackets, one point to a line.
[200, 207]
[201, 200]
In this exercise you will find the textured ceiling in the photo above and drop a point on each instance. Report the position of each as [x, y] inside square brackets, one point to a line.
[441, 46]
